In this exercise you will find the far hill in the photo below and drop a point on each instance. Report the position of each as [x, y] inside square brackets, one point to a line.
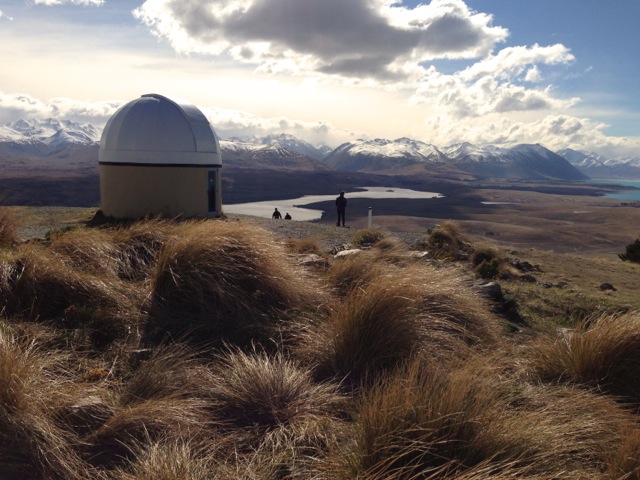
[405, 156]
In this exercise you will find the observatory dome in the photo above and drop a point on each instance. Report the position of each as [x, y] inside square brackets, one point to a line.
[154, 129]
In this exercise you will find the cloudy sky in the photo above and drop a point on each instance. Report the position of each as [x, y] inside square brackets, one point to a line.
[563, 73]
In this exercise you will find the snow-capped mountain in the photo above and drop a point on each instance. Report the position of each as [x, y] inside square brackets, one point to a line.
[51, 132]
[471, 153]
[291, 143]
[66, 139]
[381, 155]
[240, 153]
[598, 166]
[408, 156]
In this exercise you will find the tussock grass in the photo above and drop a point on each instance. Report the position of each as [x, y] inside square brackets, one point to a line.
[390, 245]
[216, 282]
[624, 460]
[451, 310]
[270, 411]
[8, 228]
[352, 272]
[415, 310]
[464, 422]
[170, 459]
[381, 367]
[39, 285]
[487, 262]
[117, 441]
[447, 242]
[85, 249]
[601, 353]
[373, 330]
[304, 245]
[273, 397]
[32, 382]
[420, 421]
[367, 237]
[139, 245]
[173, 371]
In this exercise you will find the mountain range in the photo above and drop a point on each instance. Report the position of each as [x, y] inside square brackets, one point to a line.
[35, 145]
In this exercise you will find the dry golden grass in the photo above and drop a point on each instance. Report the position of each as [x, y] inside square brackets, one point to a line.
[601, 353]
[33, 382]
[385, 321]
[216, 282]
[118, 440]
[271, 405]
[367, 237]
[384, 366]
[466, 422]
[39, 284]
[353, 272]
[304, 245]
[448, 242]
[8, 228]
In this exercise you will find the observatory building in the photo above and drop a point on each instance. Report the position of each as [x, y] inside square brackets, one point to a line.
[159, 157]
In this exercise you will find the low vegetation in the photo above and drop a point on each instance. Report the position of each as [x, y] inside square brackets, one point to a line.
[632, 252]
[203, 350]
[8, 228]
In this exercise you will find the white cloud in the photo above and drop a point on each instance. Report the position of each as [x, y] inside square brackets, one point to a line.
[353, 39]
[533, 75]
[4, 16]
[75, 2]
[555, 132]
[13, 106]
[236, 123]
[513, 61]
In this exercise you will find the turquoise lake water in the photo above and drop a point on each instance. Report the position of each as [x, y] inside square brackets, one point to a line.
[625, 194]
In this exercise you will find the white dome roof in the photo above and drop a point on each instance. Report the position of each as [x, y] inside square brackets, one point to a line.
[154, 129]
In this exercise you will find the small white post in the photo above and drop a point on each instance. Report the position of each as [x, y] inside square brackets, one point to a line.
[370, 215]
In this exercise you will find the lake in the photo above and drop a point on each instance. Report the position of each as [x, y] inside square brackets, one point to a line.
[295, 206]
[624, 194]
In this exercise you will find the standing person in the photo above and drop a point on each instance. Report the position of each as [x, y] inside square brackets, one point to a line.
[341, 204]
[276, 215]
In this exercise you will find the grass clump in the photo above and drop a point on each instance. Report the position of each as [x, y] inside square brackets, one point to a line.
[304, 245]
[267, 394]
[8, 228]
[465, 421]
[373, 330]
[601, 353]
[446, 241]
[352, 272]
[39, 285]
[215, 283]
[367, 237]
[414, 310]
[33, 381]
[138, 246]
[486, 262]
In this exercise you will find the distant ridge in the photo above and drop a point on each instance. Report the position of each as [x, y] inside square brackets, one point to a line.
[37, 142]
[406, 156]
[597, 166]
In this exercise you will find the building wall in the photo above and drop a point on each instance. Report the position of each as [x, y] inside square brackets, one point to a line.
[133, 191]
